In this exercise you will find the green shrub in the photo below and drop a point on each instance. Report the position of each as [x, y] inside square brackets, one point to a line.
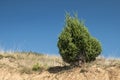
[75, 43]
[36, 67]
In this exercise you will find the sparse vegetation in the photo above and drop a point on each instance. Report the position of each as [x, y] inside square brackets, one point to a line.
[18, 66]
[27, 62]
[75, 43]
[1, 56]
[83, 70]
[26, 70]
[37, 67]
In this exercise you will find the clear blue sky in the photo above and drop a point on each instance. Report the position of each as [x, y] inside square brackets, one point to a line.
[35, 24]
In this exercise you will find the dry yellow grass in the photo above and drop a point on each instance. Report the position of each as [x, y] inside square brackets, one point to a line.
[18, 66]
[27, 60]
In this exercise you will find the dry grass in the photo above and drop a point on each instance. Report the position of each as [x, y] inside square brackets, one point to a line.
[24, 62]
[33, 66]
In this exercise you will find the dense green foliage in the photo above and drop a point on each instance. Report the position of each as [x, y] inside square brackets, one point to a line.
[75, 42]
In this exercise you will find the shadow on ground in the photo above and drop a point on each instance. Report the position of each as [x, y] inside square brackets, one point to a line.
[57, 69]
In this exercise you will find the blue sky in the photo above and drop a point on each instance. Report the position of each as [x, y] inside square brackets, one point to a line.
[34, 25]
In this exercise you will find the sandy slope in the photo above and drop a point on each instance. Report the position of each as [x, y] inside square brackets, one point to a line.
[14, 69]
[92, 73]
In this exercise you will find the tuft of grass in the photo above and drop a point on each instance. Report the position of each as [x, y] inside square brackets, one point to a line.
[83, 70]
[37, 67]
[26, 70]
[1, 56]
[10, 56]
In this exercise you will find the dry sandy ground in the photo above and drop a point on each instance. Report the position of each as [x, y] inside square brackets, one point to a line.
[92, 73]
[12, 68]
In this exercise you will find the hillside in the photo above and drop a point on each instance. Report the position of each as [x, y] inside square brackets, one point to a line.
[33, 66]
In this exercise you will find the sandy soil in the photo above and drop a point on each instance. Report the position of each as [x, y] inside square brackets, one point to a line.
[10, 69]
